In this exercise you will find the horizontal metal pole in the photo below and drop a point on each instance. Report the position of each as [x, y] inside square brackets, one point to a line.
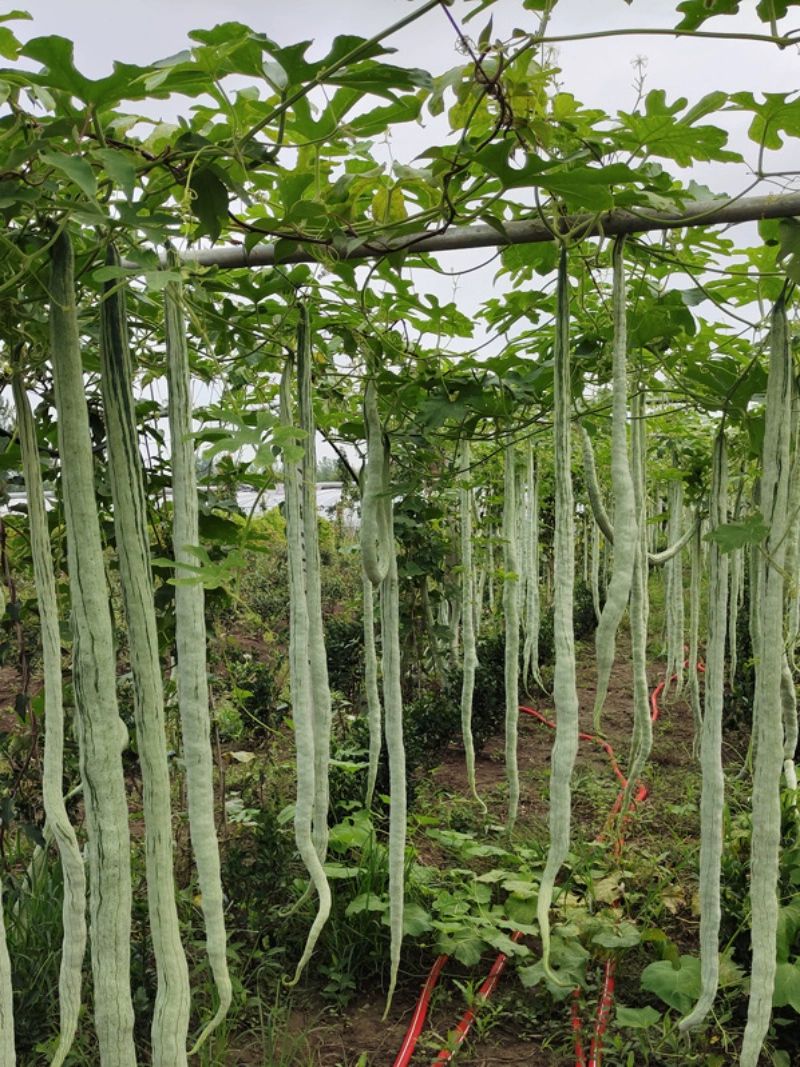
[530, 231]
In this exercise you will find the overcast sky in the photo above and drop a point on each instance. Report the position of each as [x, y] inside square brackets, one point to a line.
[598, 73]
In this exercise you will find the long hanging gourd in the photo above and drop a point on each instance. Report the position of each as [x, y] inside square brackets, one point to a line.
[170, 1023]
[511, 617]
[790, 730]
[793, 540]
[190, 641]
[73, 910]
[754, 628]
[533, 611]
[712, 797]
[379, 560]
[320, 688]
[625, 513]
[375, 507]
[374, 714]
[393, 710]
[696, 572]
[565, 746]
[595, 569]
[375, 552]
[470, 654]
[101, 732]
[491, 572]
[301, 684]
[766, 807]
[642, 734]
[674, 590]
[8, 1055]
[601, 516]
[735, 572]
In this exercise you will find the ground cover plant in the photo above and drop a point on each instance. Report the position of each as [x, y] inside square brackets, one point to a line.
[493, 760]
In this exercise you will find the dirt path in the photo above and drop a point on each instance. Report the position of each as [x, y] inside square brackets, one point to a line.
[672, 747]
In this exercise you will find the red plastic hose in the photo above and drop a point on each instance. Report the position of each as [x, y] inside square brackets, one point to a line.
[483, 994]
[420, 1011]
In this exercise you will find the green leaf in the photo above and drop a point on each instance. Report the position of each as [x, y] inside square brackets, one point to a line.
[56, 54]
[209, 201]
[787, 986]
[661, 132]
[695, 12]
[119, 169]
[789, 247]
[777, 116]
[366, 902]
[788, 928]
[637, 1018]
[464, 944]
[732, 535]
[10, 47]
[621, 935]
[679, 987]
[416, 920]
[76, 169]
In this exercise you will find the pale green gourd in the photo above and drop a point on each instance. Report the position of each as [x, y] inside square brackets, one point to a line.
[8, 1055]
[625, 510]
[58, 826]
[565, 747]
[320, 688]
[769, 755]
[470, 654]
[511, 616]
[300, 679]
[393, 712]
[191, 669]
[101, 733]
[171, 1013]
[712, 800]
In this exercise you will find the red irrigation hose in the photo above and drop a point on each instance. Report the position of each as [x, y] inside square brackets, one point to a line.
[606, 1000]
[420, 1011]
[483, 994]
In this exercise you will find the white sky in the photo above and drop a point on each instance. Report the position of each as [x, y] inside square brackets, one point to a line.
[598, 73]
